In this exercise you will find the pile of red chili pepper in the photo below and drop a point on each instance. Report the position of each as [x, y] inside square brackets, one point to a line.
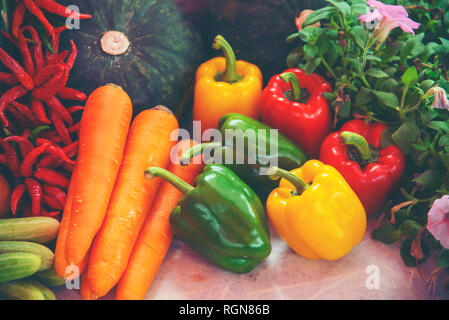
[40, 136]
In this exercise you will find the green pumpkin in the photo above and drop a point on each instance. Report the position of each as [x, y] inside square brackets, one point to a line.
[257, 29]
[144, 46]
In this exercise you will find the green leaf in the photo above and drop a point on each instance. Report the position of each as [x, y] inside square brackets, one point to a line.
[406, 136]
[329, 96]
[444, 142]
[320, 14]
[407, 49]
[359, 34]
[410, 77]
[311, 66]
[294, 58]
[386, 233]
[387, 98]
[429, 179]
[310, 35]
[363, 97]
[377, 73]
[341, 6]
[358, 7]
[310, 51]
[443, 259]
[426, 85]
[389, 85]
[410, 228]
[345, 109]
[440, 126]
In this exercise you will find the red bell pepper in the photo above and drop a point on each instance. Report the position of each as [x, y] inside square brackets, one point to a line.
[372, 172]
[306, 122]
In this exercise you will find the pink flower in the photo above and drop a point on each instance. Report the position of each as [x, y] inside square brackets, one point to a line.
[388, 17]
[440, 100]
[438, 220]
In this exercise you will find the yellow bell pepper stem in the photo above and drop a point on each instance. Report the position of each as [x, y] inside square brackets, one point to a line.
[230, 74]
[276, 173]
[356, 140]
[324, 222]
[294, 82]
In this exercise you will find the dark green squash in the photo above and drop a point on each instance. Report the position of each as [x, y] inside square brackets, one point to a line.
[257, 29]
[158, 66]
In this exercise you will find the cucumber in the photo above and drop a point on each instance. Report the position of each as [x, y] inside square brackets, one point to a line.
[46, 255]
[34, 229]
[48, 294]
[20, 290]
[49, 278]
[18, 265]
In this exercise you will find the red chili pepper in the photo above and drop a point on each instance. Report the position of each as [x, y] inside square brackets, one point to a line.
[51, 177]
[16, 196]
[26, 210]
[8, 78]
[23, 109]
[71, 94]
[34, 9]
[38, 55]
[75, 109]
[39, 111]
[55, 192]
[28, 162]
[11, 158]
[60, 127]
[35, 191]
[10, 38]
[56, 58]
[18, 117]
[56, 106]
[3, 159]
[17, 19]
[8, 97]
[27, 59]
[52, 136]
[47, 72]
[71, 60]
[57, 157]
[51, 202]
[56, 8]
[55, 43]
[24, 78]
[25, 145]
[52, 214]
[50, 87]
[307, 124]
[355, 151]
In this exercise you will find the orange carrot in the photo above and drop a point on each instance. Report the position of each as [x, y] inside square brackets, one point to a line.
[148, 145]
[86, 291]
[104, 128]
[156, 236]
[61, 264]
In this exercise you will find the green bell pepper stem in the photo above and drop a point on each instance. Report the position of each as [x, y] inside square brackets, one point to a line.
[180, 184]
[196, 150]
[230, 74]
[276, 173]
[356, 140]
[294, 82]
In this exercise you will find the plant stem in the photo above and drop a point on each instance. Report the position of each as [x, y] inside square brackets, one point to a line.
[198, 149]
[276, 173]
[291, 78]
[230, 74]
[180, 184]
[356, 140]
[328, 67]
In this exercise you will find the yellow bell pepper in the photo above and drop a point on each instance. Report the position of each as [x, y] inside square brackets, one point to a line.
[224, 85]
[316, 212]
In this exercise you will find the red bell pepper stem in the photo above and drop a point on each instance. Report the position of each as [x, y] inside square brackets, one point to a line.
[275, 173]
[39, 111]
[51, 177]
[291, 78]
[25, 145]
[24, 78]
[8, 97]
[356, 140]
[230, 74]
[28, 162]
[16, 196]
[35, 191]
[56, 8]
[17, 19]
[56, 106]
[34, 9]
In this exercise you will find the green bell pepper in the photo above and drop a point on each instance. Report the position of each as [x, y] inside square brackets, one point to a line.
[246, 129]
[221, 218]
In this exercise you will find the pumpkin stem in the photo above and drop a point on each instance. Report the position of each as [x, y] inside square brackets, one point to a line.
[230, 74]
[114, 43]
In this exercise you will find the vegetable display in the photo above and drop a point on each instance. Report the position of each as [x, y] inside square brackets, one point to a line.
[248, 131]
[132, 197]
[316, 212]
[371, 171]
[304, 119]
[147, 48]
[221, 218]
[156, 235]
[224, 85]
